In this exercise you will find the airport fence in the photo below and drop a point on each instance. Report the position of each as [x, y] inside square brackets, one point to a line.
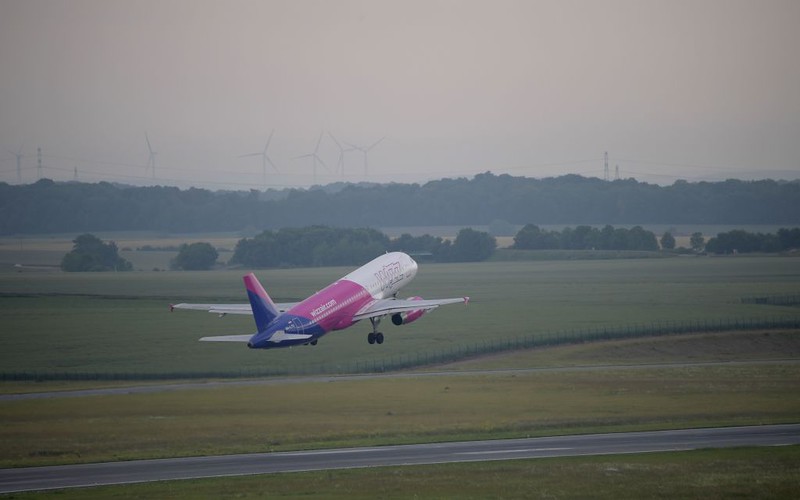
[774, 300]
[576, 336]
[455, 353]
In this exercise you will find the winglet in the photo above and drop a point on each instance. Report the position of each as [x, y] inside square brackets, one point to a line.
[264, 310]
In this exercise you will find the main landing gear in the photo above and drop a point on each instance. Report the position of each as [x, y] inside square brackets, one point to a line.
[375, 337]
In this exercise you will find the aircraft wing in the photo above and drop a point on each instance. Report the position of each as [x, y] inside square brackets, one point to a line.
[224, 309]
[383, 307]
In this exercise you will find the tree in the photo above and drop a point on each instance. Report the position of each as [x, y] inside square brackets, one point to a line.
[89, 253]
[580, 238]
[416, 244]
[667, 241]
[640, 239]
[199, 256]
[607, 237]
[789, 238]
[531, 237]
[585, 237]
[48, 206]
[470, 246]
[697, 242]
[740, 241]
[311, 246]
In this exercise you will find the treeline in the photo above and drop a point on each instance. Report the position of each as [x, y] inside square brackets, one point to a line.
[315, 246]
[738, 241]
[329, 246]
[90, 254]
[531, 237]
[46, 206]
[310, 246]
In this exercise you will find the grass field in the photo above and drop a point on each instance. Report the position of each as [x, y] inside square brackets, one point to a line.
[695, 348]
[107, 322]
[389, 411]
[375, 412]
[57, 322]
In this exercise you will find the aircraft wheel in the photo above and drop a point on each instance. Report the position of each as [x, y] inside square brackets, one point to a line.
[379, 338]
[314, 342]
[371, 338]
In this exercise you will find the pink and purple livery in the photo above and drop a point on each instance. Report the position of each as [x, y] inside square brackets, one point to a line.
[369, 292]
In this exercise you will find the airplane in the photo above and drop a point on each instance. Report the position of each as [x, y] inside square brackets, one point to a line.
[369, 292]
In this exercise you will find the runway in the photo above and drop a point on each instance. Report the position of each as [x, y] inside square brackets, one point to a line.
[75, 476]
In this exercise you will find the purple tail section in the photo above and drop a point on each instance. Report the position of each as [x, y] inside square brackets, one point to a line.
[264, 310]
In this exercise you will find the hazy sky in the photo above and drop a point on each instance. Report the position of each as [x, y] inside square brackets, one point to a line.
[694, 89]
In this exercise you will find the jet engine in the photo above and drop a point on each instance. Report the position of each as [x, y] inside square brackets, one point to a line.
[404, 318]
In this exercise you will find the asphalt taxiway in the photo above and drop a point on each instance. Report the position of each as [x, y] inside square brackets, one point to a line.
[85, 475]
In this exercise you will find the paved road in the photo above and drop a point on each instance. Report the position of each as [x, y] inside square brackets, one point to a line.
[70, 476]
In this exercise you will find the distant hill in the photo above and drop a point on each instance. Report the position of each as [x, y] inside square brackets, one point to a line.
[47, 207]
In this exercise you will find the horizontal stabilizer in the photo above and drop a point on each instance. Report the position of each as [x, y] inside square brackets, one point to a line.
[227, 338]
[215, 308]
[281, 335]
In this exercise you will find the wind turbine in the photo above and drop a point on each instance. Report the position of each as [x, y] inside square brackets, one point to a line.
[151, 160]
[19, 156]
[264, 159]
[365, 151]
[342, 151]
[314, 157]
